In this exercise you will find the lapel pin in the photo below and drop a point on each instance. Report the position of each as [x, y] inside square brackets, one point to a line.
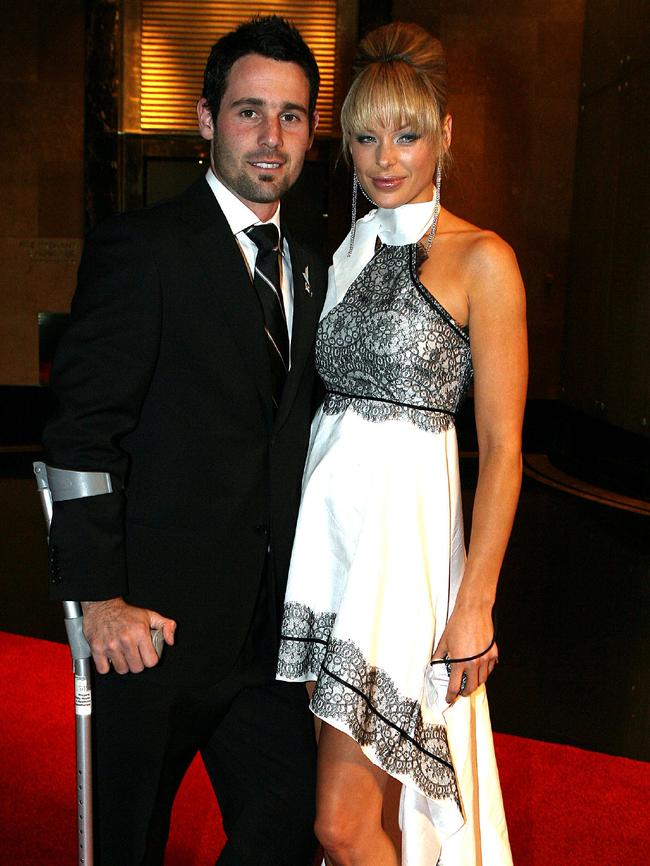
[305, 276]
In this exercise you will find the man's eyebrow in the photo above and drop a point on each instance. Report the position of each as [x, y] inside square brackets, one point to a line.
[294, 106]
[253, 100]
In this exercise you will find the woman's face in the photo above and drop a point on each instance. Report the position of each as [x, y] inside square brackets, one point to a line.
[395, 166]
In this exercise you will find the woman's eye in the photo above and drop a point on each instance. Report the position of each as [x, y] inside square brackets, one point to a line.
[408, 137]
[365, 139]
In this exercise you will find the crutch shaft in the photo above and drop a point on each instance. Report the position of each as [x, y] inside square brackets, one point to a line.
[83, 731]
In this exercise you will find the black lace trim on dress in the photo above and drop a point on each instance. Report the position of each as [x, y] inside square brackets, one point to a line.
[385, 720]
[366, 702]
[392, 402]
[303, 640]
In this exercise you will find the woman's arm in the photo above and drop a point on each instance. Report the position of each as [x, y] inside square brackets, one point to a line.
[499, 353]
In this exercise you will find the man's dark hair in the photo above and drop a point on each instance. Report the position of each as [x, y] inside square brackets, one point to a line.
[269, 36]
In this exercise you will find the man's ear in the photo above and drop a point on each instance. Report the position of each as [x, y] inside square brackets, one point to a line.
[206, 124]
[315, 120]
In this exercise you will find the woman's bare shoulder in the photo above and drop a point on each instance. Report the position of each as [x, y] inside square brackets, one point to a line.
[478, 248]
[488, 253]
[484, 259]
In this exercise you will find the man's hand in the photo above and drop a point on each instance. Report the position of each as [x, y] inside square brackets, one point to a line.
[119, 634]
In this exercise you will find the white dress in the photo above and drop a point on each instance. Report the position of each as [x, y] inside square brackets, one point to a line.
[379, 551]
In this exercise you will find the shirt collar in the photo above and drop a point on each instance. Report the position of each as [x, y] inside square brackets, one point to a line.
[237, 214]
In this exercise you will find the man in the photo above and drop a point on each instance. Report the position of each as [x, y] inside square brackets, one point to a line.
[172, 378]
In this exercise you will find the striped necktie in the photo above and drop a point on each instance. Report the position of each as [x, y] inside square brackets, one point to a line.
[266, 281]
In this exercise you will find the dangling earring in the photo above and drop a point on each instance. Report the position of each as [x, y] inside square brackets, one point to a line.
[355, 185]
[353, 230]
[438, 180]
[436, 211]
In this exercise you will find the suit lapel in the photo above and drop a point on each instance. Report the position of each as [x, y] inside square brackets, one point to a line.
[219, 256]
[306, 308]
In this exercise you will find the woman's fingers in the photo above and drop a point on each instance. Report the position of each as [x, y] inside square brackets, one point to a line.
[467, 676]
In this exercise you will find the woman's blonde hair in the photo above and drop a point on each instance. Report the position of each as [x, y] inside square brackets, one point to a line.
[400, 78]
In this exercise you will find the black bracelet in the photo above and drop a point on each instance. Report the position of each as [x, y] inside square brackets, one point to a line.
[449, 662]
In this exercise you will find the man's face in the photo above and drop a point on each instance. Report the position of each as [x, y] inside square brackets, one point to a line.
[262, 132]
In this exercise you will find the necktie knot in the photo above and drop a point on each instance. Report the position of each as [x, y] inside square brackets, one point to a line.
[265, 237]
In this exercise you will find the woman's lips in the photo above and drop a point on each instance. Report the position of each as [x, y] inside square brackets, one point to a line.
[387, 183]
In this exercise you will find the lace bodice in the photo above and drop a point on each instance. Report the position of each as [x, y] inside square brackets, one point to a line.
[389, 350]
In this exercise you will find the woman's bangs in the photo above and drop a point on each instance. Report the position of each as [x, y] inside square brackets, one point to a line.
[388, 101]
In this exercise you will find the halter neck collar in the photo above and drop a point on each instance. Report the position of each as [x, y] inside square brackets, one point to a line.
[393, 226]
[401, 225]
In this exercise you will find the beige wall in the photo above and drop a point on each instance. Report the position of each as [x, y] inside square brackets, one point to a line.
[41, 172]
[515, 77]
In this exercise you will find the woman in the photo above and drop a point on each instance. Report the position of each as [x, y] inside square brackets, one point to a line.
[379, 582]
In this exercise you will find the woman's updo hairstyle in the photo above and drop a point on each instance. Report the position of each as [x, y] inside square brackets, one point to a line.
[400, 78]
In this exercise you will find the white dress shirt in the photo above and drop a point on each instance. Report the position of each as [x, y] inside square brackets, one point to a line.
[240, 217]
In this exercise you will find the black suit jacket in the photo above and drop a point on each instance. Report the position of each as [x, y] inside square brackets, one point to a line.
[163, 380]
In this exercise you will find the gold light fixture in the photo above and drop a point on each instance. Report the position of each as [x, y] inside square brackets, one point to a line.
[167, 43]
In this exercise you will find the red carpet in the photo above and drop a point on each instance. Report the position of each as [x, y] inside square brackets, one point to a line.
[565, 806]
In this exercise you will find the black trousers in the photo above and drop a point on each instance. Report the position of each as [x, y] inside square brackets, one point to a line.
[256, 738]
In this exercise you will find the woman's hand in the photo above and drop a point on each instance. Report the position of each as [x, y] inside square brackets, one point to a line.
[469, 632]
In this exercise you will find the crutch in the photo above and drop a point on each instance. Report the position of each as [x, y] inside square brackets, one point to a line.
[83, 705]
[55, 485]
